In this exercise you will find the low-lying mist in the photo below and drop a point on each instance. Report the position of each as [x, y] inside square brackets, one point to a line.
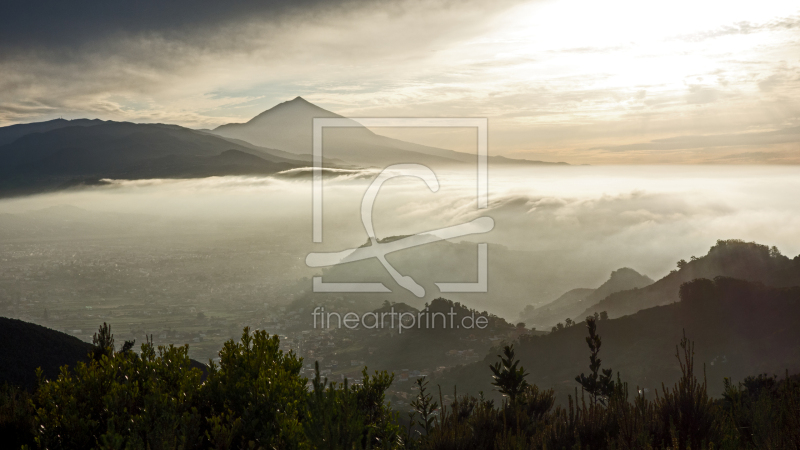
[567, 227]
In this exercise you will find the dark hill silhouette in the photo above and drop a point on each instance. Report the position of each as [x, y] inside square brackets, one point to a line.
[732, 258]
[740, 328]
[425, 347]
[45, 160]
[573, 302]
[25, 347]
[11, 133]
[288, 126]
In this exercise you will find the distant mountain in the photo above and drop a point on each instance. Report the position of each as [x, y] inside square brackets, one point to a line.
[11, 133]
[731, 258]
[288, 126]
[740, 328]
[620, 280]
[573, 302]
[59, 154]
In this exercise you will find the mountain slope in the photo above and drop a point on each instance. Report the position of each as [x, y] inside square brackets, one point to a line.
[732, 258]
[289, 126]
[573, 302]
[620, 280]
[423, 347]
[24, 347]
[740, 328]
[41, 161]
[11, 133]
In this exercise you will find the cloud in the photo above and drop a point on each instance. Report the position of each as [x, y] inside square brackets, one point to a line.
[57, 25]
[763, 157]
[552, 83]
[743, 28]
[702, 94]
[199, 63]
[580, 223]
[782, 136]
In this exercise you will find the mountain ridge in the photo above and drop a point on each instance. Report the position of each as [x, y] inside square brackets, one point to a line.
[731, 258]
[42, 161]
[739, 327]
[572, 302]
[288, 126]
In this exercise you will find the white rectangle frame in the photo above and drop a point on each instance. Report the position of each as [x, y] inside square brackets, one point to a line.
[482, 124]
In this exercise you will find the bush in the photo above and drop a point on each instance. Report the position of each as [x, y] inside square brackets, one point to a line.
[122, 400]
[256, 399]
[16, 417]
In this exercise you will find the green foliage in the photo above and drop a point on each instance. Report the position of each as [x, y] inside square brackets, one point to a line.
[424, 405]
[334, 421]
[103, 342]
[256, 399]
[256, 395]
[508, 377]
[122, 400]
[599, 385]
[345, 416]
[766, 412]
[16, 414]
[692, 416]
[680, 418]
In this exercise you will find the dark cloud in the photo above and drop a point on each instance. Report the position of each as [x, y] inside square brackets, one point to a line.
[783, 136]
[53, 24]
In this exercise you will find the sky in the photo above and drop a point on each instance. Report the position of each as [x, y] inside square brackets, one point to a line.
[585, 82]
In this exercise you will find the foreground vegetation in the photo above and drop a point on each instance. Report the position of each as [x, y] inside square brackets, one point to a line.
[256, 399]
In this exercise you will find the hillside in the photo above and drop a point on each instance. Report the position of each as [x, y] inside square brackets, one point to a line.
[11, 133]
[426, 347]
[50, 156]
[731, 258]
[24, 347]
[573, 302]
[441, 334]
[740, 328]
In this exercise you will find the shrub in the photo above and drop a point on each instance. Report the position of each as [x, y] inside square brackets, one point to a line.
[256, 399]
